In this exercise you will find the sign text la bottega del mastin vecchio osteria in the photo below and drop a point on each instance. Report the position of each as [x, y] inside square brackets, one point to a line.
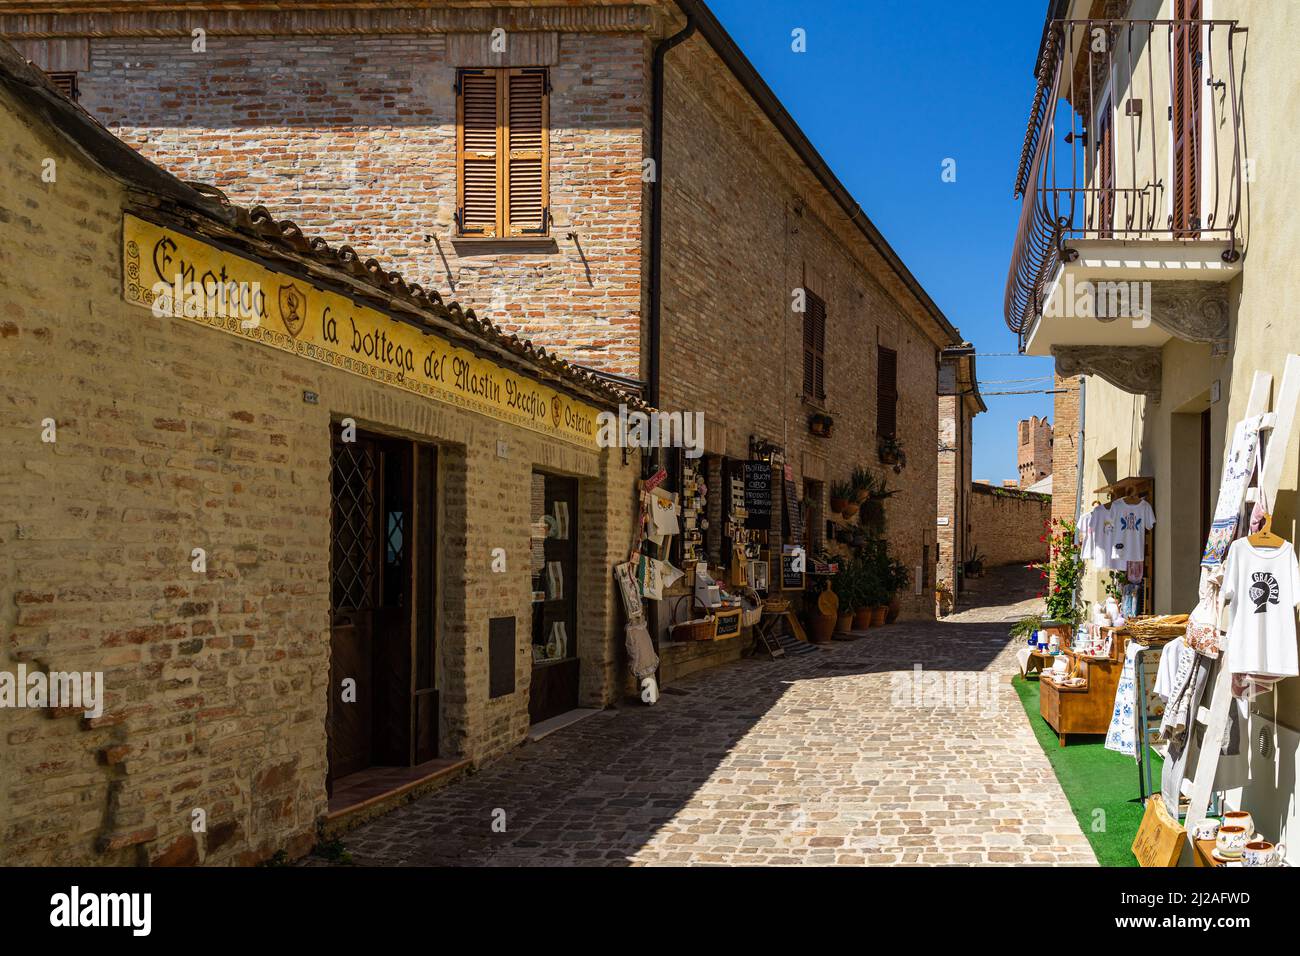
[286, 313]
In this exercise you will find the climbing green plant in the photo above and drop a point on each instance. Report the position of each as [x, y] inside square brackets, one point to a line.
[1062, 571]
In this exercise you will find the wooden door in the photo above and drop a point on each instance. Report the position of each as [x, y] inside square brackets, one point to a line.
[354, 490]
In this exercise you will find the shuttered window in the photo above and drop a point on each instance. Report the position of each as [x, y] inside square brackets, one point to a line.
[886, 393]
[502, 153]
[1185, 116]
[814, 347]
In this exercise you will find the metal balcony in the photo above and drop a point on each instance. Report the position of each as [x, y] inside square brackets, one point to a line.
[1133, 159]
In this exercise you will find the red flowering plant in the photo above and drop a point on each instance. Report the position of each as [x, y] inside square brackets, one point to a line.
[1062, 571]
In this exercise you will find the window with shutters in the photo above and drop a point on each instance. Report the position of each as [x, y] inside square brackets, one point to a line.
[886, 393]
[814, 348]
[1185, 117]
[502, 153]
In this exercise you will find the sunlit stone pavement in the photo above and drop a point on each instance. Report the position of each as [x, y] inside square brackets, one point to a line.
[832, 758]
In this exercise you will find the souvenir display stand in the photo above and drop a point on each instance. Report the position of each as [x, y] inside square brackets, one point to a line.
[1276, 427]
[1080, 701]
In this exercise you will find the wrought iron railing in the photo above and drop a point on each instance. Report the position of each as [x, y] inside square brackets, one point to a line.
[1154, 146]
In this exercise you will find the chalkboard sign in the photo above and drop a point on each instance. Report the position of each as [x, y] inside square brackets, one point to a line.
[728, 624]
[758, 495]
[501, 656]
[791, 580]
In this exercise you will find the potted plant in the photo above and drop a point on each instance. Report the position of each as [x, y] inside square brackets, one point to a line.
[821, 424]
[840, 493]
[845, 587]
[872, 513]
[973, 567]
[868, 593]
[899, 578]
[862, 482]
[891, 453]
[822, 615]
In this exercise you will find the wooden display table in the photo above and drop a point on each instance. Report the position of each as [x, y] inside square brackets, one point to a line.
[1086, 709]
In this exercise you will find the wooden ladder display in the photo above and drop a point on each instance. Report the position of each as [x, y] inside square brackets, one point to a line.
[1276, 427]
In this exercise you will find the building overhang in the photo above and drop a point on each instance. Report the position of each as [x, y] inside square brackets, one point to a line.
[1112, 305]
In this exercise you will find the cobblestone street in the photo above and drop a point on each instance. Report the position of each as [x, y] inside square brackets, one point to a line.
[814, 760]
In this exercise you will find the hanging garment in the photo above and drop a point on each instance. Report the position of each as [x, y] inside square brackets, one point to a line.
[1178, 728]
[1122, 734]
[1170, 657]
[1261, 587]
[1203, 634]
[641, 656]
[1132, 522]
[1237, 469]
[1084, 535]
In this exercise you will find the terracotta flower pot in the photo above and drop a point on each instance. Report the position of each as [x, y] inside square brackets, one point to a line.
[844, 623]
[850, 509]
[837, 505]
[821, 629]
[878, 614]
[862, 619]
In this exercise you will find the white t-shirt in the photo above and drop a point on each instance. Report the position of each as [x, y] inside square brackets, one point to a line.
[1132, 522]
[1101, 534]
[1262, 589]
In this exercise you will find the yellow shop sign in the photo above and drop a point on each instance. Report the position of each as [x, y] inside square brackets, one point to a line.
[175, 274]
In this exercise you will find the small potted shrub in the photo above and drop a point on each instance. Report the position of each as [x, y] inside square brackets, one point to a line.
[891, 453]
[821, 424]
[844, 586]
[899, 579]
[862, 483]
[840, 493]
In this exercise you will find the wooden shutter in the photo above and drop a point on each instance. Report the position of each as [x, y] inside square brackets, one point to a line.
[886, 393]
[1106, 161]
[65, 82]
[814, 347]
[478, 149]
[1186, 120]
[527, 159]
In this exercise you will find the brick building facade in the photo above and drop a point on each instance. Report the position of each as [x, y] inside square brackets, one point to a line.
[132, 439]
[1034, 449]
[750, 212]
[959, 403]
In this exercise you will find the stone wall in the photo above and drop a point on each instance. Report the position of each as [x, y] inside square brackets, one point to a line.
[169, 437]
[1007, 525]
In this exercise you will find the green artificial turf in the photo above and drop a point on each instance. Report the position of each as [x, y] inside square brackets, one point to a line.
[1093, 778]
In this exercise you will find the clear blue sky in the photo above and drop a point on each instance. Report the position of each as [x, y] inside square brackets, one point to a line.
[886, 92]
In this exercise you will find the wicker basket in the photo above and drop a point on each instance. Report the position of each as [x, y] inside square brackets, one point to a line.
[1157, 628]
[700, 629]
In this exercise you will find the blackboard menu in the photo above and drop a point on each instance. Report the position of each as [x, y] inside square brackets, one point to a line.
[758, 495]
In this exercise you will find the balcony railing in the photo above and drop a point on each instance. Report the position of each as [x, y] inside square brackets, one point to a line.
[1153, 148]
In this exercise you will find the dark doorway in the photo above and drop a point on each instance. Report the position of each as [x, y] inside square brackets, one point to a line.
[554, 565]
[382, 697]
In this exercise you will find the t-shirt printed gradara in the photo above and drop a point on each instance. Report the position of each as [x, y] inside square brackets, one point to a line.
[1132, 522]
[1262, 588]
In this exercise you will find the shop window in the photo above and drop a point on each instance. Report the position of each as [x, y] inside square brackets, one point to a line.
[814, 348]
[502, 153]
[886, 393]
